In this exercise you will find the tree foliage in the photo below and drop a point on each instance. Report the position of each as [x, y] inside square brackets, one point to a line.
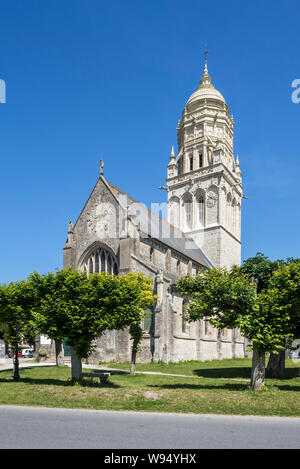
[81, 307]
[261, 268]
[16, 303]
[230, 300]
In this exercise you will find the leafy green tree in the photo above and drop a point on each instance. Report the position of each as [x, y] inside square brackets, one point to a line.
[16, 303]
[142, 289]
[261, 268]
[229, 300]
[284, 294]
[81, 307]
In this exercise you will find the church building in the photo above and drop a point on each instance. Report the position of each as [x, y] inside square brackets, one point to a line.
[116, 234]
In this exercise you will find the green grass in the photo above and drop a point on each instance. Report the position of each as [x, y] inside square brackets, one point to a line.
[217, 392]
[232, 368]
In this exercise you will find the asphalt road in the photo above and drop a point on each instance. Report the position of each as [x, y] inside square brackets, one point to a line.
[32, 428]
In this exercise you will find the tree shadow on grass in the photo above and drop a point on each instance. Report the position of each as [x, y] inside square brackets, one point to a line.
[291, 373]
[287, 387]
[103, 370]
[85, 382]
[57, 382]
[238, 372]
[197, 387]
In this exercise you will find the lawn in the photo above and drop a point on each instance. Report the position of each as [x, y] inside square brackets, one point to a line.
[218, 390]
[232, 368]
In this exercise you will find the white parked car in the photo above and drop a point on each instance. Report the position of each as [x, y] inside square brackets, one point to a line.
[27, 352]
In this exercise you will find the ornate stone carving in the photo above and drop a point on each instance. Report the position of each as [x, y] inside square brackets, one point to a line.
[211, 199]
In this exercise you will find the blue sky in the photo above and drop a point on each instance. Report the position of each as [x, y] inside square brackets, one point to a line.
[93, 79]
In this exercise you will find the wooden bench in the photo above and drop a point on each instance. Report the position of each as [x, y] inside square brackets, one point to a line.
[103, 377]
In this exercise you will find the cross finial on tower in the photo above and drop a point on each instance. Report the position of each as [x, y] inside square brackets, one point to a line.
[101, 167]
[205, 80]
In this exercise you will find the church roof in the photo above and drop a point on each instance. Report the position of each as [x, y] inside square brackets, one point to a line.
[156, 227]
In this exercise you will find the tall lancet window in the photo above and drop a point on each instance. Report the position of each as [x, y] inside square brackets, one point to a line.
[188, 213]
[103, 262]
[234, 207]
[201, 208]
[200, 160]
[109, 264]
[97, 262]
[191, 163]
[91, 266]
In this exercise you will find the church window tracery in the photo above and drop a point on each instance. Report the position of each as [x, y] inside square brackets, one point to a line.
[147, 322]
[100, 260]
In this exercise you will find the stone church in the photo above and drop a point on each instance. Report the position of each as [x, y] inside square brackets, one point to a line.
[116, 234]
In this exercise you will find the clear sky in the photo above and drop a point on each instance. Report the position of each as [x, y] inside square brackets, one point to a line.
[96, 79]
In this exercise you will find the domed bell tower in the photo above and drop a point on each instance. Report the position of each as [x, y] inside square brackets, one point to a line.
[204, 180]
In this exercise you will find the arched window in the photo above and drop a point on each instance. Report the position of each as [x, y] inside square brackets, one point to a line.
[100, 260]
[200, 160]
[228, 212]
[201, 207]
[234, 216]
[175, 212]
[148, 320]
[188, 212]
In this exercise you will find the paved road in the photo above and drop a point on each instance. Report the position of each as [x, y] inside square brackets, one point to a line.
[28, 427]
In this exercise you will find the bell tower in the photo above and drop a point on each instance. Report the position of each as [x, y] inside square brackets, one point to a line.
[204, 180]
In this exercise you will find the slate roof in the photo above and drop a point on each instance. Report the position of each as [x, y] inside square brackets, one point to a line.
[157, 228]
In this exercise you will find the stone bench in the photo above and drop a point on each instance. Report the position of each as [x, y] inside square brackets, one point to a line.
[103, 377]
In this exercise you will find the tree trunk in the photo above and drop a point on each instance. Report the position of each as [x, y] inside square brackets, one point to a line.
[136, 333]
[276, 365]
[75, 364]
[59, 352]
[258, 369]
[133, 361]
[37, 348]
